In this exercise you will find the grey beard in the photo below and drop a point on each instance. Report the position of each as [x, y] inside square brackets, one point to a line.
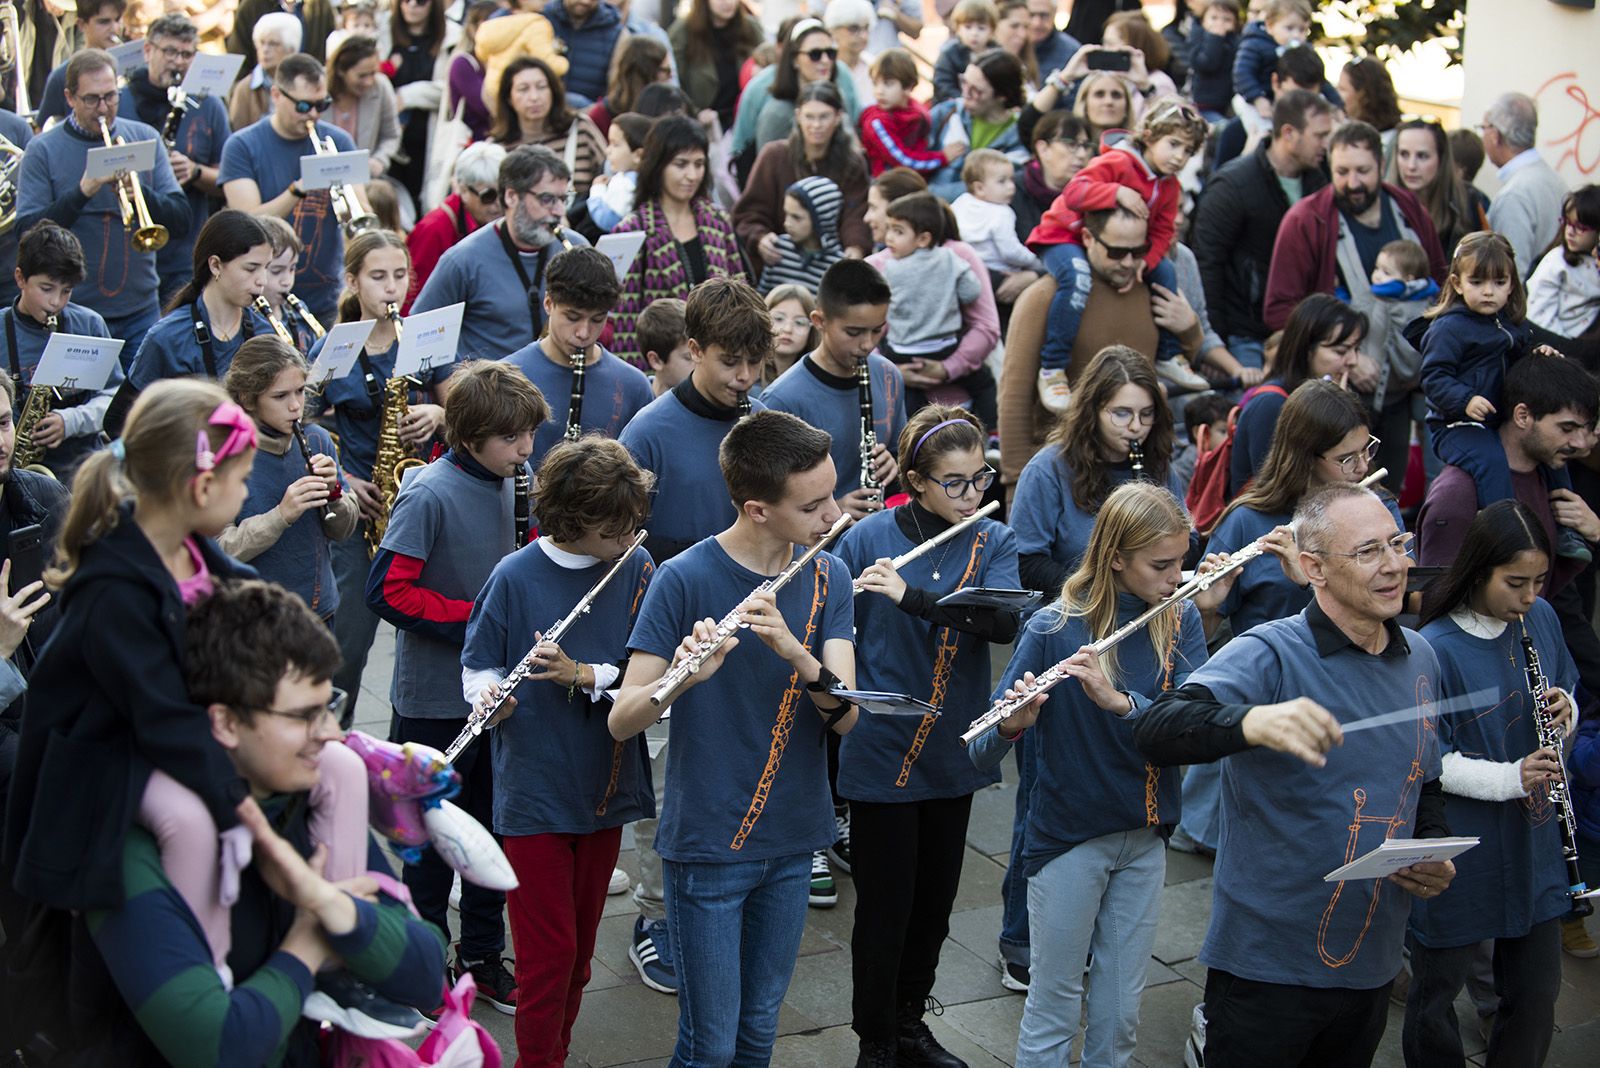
[535, 235]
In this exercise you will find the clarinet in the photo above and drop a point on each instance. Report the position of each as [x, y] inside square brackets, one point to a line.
[335, 491]
[522, 498]
[169, 130]
[679, 674]
[575, 405]
[744, 404]
[869, 435]
[1549, 737]
[1056, 673]
[477, 721]
[1136, 457]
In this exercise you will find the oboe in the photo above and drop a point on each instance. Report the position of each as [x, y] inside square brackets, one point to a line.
[335, 491]
[869, 435]
[575, 405]
[298, 306]
[938, 539]
[679, 673]
[1054, 674]
[1136, 457]
[478, 719]
[1549, 737]
[263, 308]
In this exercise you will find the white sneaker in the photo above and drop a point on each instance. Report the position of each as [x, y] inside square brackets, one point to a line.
[1055, 393]
[455, 892]
[1177, 374]
[620, 881]
[1194, 1049]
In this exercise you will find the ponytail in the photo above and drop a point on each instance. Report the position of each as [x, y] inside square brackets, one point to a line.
[227, 235]
[98, 491]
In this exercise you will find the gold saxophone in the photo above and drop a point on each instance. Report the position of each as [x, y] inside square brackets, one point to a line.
[393, 459]
[26, 452]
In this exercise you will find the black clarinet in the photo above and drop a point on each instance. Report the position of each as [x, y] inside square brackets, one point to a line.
[522, 506]
[1549, 737]
[575, 405]
[169, 129]
[869, 435]
[744, 404]
[1136, 457]
[335, 491]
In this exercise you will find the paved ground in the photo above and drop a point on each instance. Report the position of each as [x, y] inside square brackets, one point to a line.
[624, 1023]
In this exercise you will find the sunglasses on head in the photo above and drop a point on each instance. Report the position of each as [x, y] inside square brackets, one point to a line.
[817, 55]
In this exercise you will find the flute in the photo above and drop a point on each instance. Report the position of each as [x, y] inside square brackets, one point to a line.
[335, 491]
[1004, 708]
[937, 540]
[679, 673]
[478, 719]
[1374, 478]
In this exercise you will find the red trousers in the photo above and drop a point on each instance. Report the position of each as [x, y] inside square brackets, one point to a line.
[555, 912]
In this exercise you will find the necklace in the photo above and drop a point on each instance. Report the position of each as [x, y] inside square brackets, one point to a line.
[921, 539]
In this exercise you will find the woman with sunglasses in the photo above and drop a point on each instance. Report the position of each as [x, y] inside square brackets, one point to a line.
[908, 780]
[767, 106]
[474, 201]
[531, 109]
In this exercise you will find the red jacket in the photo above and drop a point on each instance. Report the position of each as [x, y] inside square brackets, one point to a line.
[898, 138]
[1305, 253]
[434, 235]
[1095, 189]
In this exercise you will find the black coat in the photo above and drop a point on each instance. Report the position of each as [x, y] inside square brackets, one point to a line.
[1235, 226]
[107, 703]
[28, 498]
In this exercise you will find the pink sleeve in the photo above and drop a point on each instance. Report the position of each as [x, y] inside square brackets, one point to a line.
[980, 318]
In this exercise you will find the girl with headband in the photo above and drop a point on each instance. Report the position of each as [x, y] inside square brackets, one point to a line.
[112, 738]
[908, 781]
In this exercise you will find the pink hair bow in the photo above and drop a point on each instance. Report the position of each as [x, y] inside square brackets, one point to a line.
[241, 436]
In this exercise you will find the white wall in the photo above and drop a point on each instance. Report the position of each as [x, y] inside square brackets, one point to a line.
[1552, 53]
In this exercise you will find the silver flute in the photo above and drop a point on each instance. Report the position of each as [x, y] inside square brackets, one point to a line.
[478, 719]
[679, 673]
[937, 540]
[1047, 680]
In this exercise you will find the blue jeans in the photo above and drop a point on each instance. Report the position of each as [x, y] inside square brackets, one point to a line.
[1249, 351]
[1476, 449]
[1070, 266]
[736, 931]
[1202, 800]
[131, 329]
[1014, 889]
[1101, 896]
[354, 625]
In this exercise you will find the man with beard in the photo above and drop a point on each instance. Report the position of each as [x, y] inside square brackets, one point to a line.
[498, 271]
[169, 48]
[1550, 407]
[1329, 241]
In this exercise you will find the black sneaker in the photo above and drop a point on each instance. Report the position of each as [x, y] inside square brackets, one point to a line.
[354, 1007]
[839, 852]
[824, 892]
[917, 1048]
[496, 984]
[877, 1055]
[651, 953]
[1570, 544]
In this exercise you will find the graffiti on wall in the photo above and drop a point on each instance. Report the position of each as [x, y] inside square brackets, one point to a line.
[1569, 124]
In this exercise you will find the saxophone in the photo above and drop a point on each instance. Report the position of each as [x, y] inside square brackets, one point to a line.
[27, 453]
[393, 459]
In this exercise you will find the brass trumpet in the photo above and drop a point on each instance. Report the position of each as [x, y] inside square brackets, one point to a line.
[346, 208]
[12, 61]
[148, 235]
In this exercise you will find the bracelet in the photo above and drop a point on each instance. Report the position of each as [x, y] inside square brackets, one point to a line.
[299, 194]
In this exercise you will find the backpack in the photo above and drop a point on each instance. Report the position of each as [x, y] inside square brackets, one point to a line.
[1208, 489]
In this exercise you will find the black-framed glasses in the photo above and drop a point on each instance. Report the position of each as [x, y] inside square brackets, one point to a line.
[1369, 555]
[1348, 460]
[488, 194]
[173, 55]
[96, 101]
[314, 716]
[817, 55]
[547, 201]
[1122, 418]
[306, 107]
[1081, 144]
[956, 488]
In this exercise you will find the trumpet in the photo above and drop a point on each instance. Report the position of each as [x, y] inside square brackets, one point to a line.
[298, 306]
[680, 672]
[263, 308]
[346, 208]
[937, 540]
[148, 235]
[478, 720]
[12, 61]
[1056, 673]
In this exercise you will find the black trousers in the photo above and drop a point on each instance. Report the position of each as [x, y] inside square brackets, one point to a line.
[1527, 978]
[1273, 1025]
[483, 931]
[906, 866]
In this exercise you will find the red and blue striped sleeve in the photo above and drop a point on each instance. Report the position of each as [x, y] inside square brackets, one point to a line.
[394, 593]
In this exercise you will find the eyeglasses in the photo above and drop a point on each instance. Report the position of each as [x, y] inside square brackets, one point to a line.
[96, 101]
[306, 107]
[957, 488]
[1347, 461]
[548, 201]
[1083, 145]
[1369, 555]
[488, 194]
[316, 715]
[817, 55]
[1577, 227]
[1116, 253]
[1122, 418]
[175, 54]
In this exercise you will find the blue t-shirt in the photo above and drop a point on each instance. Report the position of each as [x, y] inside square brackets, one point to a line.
[1047, 520]
[690, 501]
[355, 416]
[613, 392]
[832, 403]
[557, 768]
[1252, 435]
[1514, 878]
[299, 560]
[476, 271]
[1285, 823]
[272, 161]
[1089, 778]
[747, 767]
[171, 348]
[899, 758]
[82, 412]
[201, 133]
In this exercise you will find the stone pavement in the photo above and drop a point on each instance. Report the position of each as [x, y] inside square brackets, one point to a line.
[625, 1023]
